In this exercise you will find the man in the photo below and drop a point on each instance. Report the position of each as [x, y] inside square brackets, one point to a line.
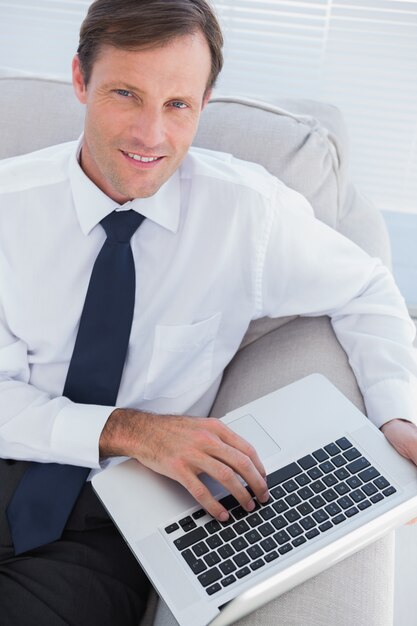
[223, 243]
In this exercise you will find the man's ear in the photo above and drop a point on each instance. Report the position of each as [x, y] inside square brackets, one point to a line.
[206, 98]
[78, 82]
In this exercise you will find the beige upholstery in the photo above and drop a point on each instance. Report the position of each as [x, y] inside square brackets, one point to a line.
[304, 143]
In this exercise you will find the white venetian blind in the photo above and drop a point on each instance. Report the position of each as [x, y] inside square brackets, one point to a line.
[358, 54]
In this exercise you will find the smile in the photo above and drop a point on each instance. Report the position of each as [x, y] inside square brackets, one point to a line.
[142, 159]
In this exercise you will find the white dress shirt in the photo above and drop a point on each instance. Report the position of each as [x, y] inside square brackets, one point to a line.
[224, 243]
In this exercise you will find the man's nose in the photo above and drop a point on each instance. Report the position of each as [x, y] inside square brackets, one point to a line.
[149, 128]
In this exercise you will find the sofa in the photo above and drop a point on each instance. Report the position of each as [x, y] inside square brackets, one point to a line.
[305, 144]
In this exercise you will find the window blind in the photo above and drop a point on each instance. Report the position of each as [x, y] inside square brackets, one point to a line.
[360, 55]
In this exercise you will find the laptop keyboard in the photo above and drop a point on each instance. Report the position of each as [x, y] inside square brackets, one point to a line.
[308, 497]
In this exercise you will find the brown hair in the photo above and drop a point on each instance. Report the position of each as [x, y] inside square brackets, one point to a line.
[136, 24]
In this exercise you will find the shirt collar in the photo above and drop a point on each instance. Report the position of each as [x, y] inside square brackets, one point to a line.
[92, 204]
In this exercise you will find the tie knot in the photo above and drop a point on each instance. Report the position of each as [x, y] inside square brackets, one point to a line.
[121, 225]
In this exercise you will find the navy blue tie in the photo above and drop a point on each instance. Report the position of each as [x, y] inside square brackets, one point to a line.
[44, 498]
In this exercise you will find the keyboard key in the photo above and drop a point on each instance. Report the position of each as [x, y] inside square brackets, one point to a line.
[292, 499]
[317, 502]
[307, 461]
[229, 502]
[302, 479]
[351, 512]
[187, 527]
[279, 522]
[345, 502]
[228, 580]
[271, 556]
[368, 474]
[266, 529]
[268, 544]
[282, 537]
[305, 508]
[257, 564]
[342, 488]
[227, 567]
[243, 572]
[294, 530]
[285, 549]
[307, 523]
[212, 526]
[280, 506]
[381, 482]
[185, 521]
[364, 505]
[239, 544]
[227, 534]
[358, 465]
[318, 486]
[357, 495]
[213, 588]
[214, 541]
[389, 491]
[200, 548]
[377, 498]
[321, 455]
[339, 460]
[329, 495]
[325, 526]
[210, 577]
[254, 520]
[241, 559]
[239, 512]
[253, 536]
[332, 449]
[342, 473]
[329, 480]
[332, 508]
[298, 541]
[352, 454]
[199, 513]
[369, 489]
[188, 556]
[283, 474]
[241, 527]
[278, 492]
[255, 552]
[292, 515]
[320, 516]
[326, 467]
[198, 566]
[226, 551]
[312, 533]
[171, 528]
[267, 513]
[338, 518]
[290, 486]
[190, 538]
[315, 473]
[212, 559]
[305, 493]
[354, 482]
[343, 443]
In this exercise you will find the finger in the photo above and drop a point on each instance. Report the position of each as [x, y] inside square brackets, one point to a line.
[236, 441]
[203, 496]
[243, 466]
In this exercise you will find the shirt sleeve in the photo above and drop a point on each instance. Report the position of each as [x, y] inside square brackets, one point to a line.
[36, 427]
[309, 269]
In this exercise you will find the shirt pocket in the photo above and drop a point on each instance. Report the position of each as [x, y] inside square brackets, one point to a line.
[182, 358]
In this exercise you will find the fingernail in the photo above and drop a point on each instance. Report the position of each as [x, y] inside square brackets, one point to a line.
[264, 497]
[223, 517]
[251, 505]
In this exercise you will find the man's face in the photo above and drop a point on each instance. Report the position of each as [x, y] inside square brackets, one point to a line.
[142, 113]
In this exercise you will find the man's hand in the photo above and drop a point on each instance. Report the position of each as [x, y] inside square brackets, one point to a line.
[183, 447]
[403, 436]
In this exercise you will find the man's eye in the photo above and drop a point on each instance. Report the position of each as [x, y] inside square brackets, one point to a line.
[123, 92]
[177, 104]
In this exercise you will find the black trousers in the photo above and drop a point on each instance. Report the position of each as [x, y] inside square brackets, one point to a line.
[88, 578]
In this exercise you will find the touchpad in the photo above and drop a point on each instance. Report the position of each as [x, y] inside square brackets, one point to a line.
[248, 428]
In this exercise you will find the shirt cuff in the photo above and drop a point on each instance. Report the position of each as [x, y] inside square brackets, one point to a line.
[390, 399]
[76, 433]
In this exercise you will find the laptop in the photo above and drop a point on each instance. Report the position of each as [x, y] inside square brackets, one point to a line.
[336, 485]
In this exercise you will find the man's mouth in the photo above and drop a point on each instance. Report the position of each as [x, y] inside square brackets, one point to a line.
[143, 159]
